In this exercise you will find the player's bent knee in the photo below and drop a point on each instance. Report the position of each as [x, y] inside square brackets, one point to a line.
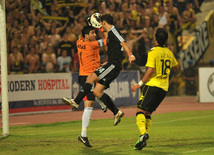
[92, 78]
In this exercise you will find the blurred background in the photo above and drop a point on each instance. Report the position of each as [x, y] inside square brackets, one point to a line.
[42, 35]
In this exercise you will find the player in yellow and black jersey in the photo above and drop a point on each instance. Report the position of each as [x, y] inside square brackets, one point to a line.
[155, 84]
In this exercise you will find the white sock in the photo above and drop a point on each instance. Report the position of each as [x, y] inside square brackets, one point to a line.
[86, 117]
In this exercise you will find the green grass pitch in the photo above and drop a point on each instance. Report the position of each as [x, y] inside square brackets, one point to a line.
[189, 133]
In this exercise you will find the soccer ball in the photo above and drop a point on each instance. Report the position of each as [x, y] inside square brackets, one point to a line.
[94, 20]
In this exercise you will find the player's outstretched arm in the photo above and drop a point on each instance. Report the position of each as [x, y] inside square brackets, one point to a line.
[128, 51]
[145, 78]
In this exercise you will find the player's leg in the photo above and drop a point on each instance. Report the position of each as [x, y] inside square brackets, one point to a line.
[98, 92]
[86, 117]
[144, 100]
[141, 123]
[74, 103]
[150, 99]
[148, 123]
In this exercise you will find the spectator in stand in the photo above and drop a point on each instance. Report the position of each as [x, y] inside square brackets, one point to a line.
[16, 60]
[151, 9]
[126, 21]
[131, 40]
[189, 18]
[71, 36]
[49, 25]
[38, 36]
[190, 76]
[141, 52]
[71, 18]
[32, 60]
[67, 45]
[173, 11]
[49, 58]
[80, 24]
[141, 19]
[44, 44]
[150, 33]
[24, 41]
[16, 41]
[65, 62]
[54, 38]
[163, 16]
[35, 16]
[105, 5]
[181, 5]
[155, 21]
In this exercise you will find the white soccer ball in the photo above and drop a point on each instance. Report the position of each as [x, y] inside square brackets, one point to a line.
[94, 20]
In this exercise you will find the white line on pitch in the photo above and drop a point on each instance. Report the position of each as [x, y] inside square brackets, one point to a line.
[123, 126]
[193, 151]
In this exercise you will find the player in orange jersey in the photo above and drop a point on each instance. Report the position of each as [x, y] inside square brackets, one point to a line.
[89, 58]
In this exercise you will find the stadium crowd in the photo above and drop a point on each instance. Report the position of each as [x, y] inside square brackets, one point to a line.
[42, 34]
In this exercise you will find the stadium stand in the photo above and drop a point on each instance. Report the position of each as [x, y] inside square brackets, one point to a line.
[49, 27]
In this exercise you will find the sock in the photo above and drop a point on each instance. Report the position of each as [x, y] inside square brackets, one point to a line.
[86, 89]
[86, 117]
[148, 123]
[108, 102]
[101, 103]
[141, 122]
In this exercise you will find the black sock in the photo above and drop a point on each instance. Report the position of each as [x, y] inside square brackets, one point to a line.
[86, 89]
[108, 102]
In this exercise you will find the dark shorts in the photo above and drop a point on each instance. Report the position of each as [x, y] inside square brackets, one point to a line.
[150, 98]
[90, 96]
[107, 74]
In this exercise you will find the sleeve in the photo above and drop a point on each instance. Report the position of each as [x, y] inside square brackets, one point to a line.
[174, 61]
[151, 60]
[94, 44]
[118, 36]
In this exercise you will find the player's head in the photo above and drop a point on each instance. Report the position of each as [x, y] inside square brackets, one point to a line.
[88, 32]
[106, 20]
[161, 36]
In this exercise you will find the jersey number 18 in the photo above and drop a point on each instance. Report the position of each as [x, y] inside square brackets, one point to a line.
[165, 65]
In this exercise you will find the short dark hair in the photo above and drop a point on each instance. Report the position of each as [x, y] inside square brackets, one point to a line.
[161, 36]
[86, 30]
[108, 18]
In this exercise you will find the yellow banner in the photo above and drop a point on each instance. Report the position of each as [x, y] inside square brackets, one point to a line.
[210, 24]
[73, 4]
[54, 18]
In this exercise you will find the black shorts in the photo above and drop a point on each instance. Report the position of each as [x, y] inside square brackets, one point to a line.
[107, 74]
[90, 96]
[150, 98]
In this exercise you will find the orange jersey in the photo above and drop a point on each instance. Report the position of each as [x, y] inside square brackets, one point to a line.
[89, 56]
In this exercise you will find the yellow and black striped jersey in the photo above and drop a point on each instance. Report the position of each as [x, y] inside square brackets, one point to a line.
[162, 60]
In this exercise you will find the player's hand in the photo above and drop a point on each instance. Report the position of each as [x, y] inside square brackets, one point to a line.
[135, 87]
[131, 58]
